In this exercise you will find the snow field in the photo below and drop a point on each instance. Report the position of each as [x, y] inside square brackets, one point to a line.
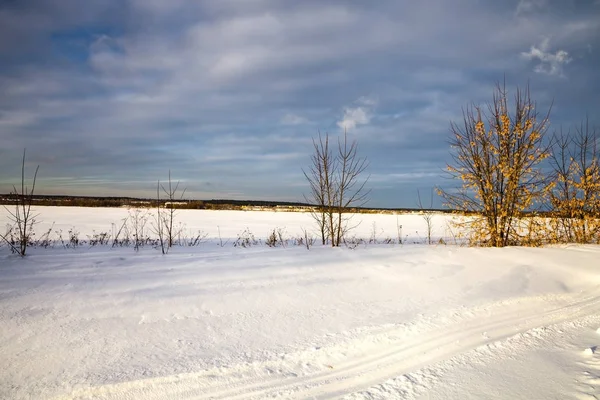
[379, 321]
[228, 225]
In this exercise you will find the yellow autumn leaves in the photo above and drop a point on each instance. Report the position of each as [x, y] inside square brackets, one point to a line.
[500, 157]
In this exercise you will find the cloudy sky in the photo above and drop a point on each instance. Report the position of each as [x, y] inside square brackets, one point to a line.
[108, 95]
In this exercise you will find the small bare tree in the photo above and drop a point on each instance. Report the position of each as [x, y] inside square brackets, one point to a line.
[427, 214]
[497, 157]
[21, 218]
[164, 225]
[335, 186]
[171, 193]
[159, 224]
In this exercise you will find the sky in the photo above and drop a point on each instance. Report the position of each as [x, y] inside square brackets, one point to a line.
[107, 96]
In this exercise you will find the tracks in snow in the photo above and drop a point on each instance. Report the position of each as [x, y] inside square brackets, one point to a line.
[360, 363]
[588, 382]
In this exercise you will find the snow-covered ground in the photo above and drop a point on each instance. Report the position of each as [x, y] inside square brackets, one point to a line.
[378, 321]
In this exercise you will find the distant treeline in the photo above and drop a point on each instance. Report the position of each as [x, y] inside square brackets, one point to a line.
[89, 201]
[214, 204]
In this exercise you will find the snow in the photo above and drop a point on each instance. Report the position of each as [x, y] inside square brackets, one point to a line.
[375, 322]
[590, 351]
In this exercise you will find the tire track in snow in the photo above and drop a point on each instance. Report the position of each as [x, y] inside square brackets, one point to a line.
[389, 358]
[588, 383]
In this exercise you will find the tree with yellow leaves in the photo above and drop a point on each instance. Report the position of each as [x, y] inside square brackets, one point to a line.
[575, 196]
[497, 155]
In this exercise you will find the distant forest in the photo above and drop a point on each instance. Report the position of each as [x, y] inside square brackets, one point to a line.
[214, 204]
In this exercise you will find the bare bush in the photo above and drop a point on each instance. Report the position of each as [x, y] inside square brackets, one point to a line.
[119, 234]
[99, 239]
[18, 237]
[137, 220]
[245, 239]
[276, 238]
[305, 240]
[353, 242]
[196, 239]
[45, 241]
[71, 241]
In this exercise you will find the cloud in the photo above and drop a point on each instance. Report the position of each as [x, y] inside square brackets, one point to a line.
[293, 119]
[361, 114]
[354, 116]
[549, 63]
[231, 92]
[530, 6]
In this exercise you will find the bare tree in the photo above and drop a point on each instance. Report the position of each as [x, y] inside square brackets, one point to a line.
[164, 223]
[320, 176]
[168, 217]
[159, 224]
[497, 156]
[575, 194]
[21, 217]
[350, 190]
[427, 214]
[335, 186]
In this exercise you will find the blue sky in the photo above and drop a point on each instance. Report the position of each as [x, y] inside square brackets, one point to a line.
[108, 95]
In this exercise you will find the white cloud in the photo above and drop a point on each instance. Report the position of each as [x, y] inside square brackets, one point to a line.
[358, 115]
[354, 116]
[549, 63]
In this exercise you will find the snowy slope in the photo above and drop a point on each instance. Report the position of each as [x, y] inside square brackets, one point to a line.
[379, 321]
